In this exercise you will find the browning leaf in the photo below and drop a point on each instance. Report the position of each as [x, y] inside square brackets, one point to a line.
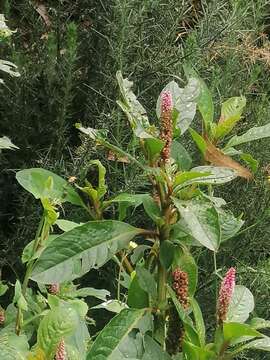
[41, 9]
[216, 157]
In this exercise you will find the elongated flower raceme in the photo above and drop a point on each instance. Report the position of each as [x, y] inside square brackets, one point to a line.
[166, 124]
[2, 316]
[225, 294]
[61, 351]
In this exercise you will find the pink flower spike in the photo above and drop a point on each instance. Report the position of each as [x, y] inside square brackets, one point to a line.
[225, 294]
[166, 101]
[61, 351]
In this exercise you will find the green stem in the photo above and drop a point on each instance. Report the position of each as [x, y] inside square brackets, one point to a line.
[28, 272]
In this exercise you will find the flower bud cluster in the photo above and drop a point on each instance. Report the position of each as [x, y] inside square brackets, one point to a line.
[166, 124]
[2, 317]
[225, 294]
[61, 351]
[54, 289]
[180, 286]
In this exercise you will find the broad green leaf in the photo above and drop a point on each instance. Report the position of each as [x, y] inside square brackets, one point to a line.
[252, 134]
[219, 174]
[146, 281]
[67, 225]
[231, 111]
[229, 224]
[114, 332]
[60, 322]
[166, 253]
[188, 177]
[153, 147]
[185, 261]
[152, 209]
[205, 100]
[135, 112]
[125, 201]
[250, 161]
[5, 143]
[76, 251]
[194, 352]
[235, 330]
[184, 102]
[258, 323]
[137, 297]
[153, 351]
[259, 344]
[202, 222]
[131, 347]
[199, 322]
[114, 306]
[242, 304]
[199, 141]
[91, 292]
[77, 343]
[13, 347]
[180, 156]
[34, 180]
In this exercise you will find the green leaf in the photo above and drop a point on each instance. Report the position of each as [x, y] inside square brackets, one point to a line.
[94, 134]
[205, 100]
[234, 330]
[131, 347]
[185, 261]
[199, 141]
[19, 299]
[146, 281]
[180, 156]
[152, 209]
[188, 177]
[259, 344]
[113, 333]
[194, 352]
[250, 161]
[153, 351]
[184, 102]
[202, 222]
[154, 147]
[76, 251]
[114, 306]
[258, 323]
[242, 304]
[231, 111]
[91, 292]
[219, 174]
[137, 297]
[5, 143]
[102, 187]
[135, 112]
[166, 253]
[229, 224]
[35, 181]
[252, 134]
[67, 225]
[13, 347]
[125, 201]
[199, 322]
[3, 288]
[59, 322]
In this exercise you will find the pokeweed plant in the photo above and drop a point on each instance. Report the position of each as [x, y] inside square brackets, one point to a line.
[158, 315]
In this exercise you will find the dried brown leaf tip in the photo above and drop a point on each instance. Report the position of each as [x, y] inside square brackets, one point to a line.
[42, 10]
